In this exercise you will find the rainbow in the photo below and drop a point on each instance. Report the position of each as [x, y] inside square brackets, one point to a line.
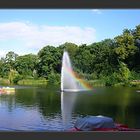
[74, 75]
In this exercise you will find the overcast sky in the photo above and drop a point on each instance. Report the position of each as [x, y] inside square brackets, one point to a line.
[27, 31]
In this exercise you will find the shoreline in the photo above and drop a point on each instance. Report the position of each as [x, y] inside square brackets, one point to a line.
[44, 82]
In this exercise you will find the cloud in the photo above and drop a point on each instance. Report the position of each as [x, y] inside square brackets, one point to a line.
[37, 36]
[97, 11]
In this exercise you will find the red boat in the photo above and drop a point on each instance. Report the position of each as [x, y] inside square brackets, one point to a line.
[99, 123]
[119, 127]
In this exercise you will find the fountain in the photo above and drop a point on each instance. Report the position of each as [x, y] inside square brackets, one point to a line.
[69, 81]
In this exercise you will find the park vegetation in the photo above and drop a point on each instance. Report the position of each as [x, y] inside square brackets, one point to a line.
[109, 62]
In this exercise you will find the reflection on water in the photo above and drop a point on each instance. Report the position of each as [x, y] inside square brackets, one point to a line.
[42, 109]
[67, 104]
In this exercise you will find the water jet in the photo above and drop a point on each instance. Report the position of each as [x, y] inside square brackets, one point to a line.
[69, 80]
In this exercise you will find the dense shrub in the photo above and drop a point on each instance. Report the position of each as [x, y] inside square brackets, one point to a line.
[54, 78]
[17, 78]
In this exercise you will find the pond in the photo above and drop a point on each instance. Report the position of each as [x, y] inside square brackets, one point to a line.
[47, 109]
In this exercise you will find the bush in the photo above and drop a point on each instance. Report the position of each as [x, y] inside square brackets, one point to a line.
[17, 78]
[124, 73]
[54, 78]
[134, 76]
[28, 77]
[111, 80]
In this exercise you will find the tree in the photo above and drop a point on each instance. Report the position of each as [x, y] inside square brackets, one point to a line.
[26, 64]
[83, 59]
[125, 48]
[136, 34]
[49, 61]
[10, 59]
[124, 72]
[102, 58]
[7, 63]
[71, 48]
[2, 68]
[12, 75]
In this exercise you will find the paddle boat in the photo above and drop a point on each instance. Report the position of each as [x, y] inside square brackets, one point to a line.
[99, 123]
[7, 90]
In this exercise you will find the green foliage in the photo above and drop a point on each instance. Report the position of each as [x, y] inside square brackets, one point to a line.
[71, 48]
[54, 78]
[124, 72]
[10, 59]
[134, 75]
[83, 60]
[49, 61]
[126, 49]
[26, 64]
[2, 64]
[17, 78]
[12, 75]
[122, 75]
[111, 80]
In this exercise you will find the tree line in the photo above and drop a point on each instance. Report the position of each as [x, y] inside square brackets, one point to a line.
[111, 60]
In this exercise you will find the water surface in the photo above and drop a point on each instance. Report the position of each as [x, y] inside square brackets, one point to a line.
[46, 109]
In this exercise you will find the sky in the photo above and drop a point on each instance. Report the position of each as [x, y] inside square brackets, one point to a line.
[27, 31]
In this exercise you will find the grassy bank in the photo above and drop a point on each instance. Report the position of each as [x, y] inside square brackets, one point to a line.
[135, 83]
[101, 83]
[4, 81]
[44, 82]
[96, 83]
[32, 82]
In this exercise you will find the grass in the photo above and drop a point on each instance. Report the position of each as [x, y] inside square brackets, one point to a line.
[96, 83]
[4, 81]
[101, 83]
[44, 82]
[33, 82]
[30, 82]
[135, 83]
